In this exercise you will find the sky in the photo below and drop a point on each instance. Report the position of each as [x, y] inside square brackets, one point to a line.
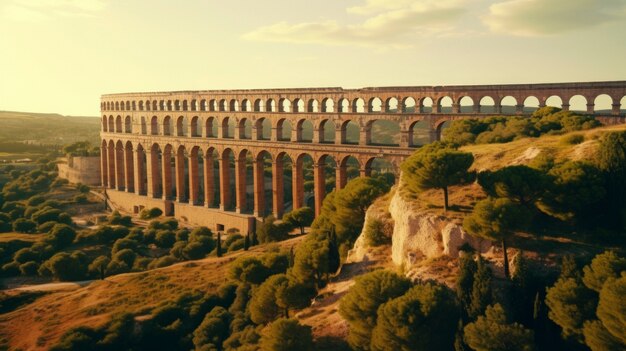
[59, 56]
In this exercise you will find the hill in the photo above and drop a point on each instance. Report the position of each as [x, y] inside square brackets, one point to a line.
[47, 128]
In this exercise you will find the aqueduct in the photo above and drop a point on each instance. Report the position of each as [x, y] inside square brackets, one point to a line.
[192, 153]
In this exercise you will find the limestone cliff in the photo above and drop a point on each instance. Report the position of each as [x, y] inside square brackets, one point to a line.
[417, 233]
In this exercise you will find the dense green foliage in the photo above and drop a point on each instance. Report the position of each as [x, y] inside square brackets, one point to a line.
[492, 332]
[546, 120]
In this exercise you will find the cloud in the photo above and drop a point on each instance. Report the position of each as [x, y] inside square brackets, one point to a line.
[546, 17]
[40, 10]
[388, 24]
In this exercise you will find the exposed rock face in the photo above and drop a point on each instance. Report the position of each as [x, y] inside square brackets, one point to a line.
[420, 234]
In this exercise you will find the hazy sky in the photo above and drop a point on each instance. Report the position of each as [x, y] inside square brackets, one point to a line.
[61, 55]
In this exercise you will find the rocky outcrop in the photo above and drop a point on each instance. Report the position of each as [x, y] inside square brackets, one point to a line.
[417, 233]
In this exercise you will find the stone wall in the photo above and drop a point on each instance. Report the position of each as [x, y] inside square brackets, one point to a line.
[80, 169]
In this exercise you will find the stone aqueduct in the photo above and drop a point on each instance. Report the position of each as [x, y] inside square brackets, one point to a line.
[199, 133]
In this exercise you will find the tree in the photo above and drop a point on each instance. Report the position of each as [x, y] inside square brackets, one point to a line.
[465, 280]
[359, 306]
[61, 236]
[603, 267]
[495, 219]
[600, 339]
[218, 248]
[246, 243]
[270, 231]
[492, 332]
[23, 225]
[311, 262]
[611, 308]
[249, 270]
[520, 184]
[214, 329]
[482, 293]
[286, 335]
[65, 266]
[422, 319]
[263, 306]
[570, 304]
[437, 167]
[611, 159]
[98, 266]
[300, 218]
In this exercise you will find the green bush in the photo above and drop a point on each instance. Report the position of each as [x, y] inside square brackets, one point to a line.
[80, 199]
[162, 262]
[22, 225]
[29, 268]
[375, 233]
[236, 245]
[572, 139]
[150, 213]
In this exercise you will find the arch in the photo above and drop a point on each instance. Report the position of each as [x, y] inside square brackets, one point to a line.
[111, 128]
[181, 171]
[245, 129]
[105, 120]
[298, 105]
[391, 104]
[118, 124]
[144, 127]
[154, 125]
[282, 184]
[263, 185]
[234, 105]
[167, 125]
[222, 105]
[127, 105]
[578, 103]
[147, 106]
[263, 128]
[508, 105]
[444, 104]
[603, 104]
[196, 131]
[227, 172]
[408, 104]
[155, 106]
[343, 105]
[377, 166]
[328, 105]
[185, 105]
[327, 131]
[140, 105]
[487, 105]
[623, 105]
[531, 103]
[181, 126]
[419, 133]
[350, 132]
[210, 128]
[111, 164]
[133, 105]
[245, 105]
[375, 105]
[213, 105]
[302, 174]
[426, 105]
[304, 131]
[194, 105]
[169, 105]
[142, 176]
[328, 181]
[212, 178]
[284, 105]
[466, 105]
[358, 105]
[283, 130]
[128, 125]
[384, 132]
[439, 127]
[258, 105]
[348, 169]
[270, 105]
[117, 105]
[313, 106]
[228, 128]
[155, 188]
[554, 101]
[120, 172]
[196, 176]
[129, 167]
[203, 105]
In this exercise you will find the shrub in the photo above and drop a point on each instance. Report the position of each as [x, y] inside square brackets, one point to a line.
[165, 238]
[162, 262]
[150, 213]
[231, 239]
[375, 233]
[236, 245]
[65, 266]
[80, 199]
[572, 139]
[61, 235]
[124, 243]
[35, 200]
[22, 225]
[126, 255]
[46, 227]
[11, 269]
[29, 268]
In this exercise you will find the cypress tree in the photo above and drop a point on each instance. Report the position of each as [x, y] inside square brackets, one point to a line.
[218, 249]
[246, 242]
[482, 294]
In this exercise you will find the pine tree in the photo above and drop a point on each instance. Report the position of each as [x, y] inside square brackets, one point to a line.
[492, 332]
[482, 294]
[465, 280]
